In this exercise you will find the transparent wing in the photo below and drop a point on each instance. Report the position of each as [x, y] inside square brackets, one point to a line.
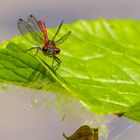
[28, 32]
[58, 30]
[63, 38]
[34, 25]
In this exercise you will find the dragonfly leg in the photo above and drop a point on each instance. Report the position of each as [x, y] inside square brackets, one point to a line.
[53, 62]
[38, 48]
[56, 66]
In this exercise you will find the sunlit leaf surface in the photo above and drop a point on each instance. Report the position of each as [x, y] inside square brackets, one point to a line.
[100, 65]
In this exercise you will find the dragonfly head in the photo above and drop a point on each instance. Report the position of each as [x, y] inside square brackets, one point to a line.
[50, 48]
[50, 51]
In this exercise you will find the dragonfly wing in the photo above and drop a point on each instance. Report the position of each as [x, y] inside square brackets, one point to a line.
[28, 32]
[63, 38]
[32, 21]
[58, 30]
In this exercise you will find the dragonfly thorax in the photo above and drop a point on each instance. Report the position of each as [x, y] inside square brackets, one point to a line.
[50, 49]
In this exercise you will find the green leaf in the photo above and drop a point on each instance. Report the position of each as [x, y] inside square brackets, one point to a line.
[100, 66]
[21, 68]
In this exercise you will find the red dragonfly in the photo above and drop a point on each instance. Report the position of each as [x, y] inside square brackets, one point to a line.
[35, 31]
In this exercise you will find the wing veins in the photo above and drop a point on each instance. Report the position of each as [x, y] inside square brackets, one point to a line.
[63, 38]
[28, 29]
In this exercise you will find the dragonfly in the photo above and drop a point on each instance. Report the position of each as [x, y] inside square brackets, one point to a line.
[84, 133]
[35, 31]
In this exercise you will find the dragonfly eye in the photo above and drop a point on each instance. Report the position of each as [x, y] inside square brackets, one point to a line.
[57, 50]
